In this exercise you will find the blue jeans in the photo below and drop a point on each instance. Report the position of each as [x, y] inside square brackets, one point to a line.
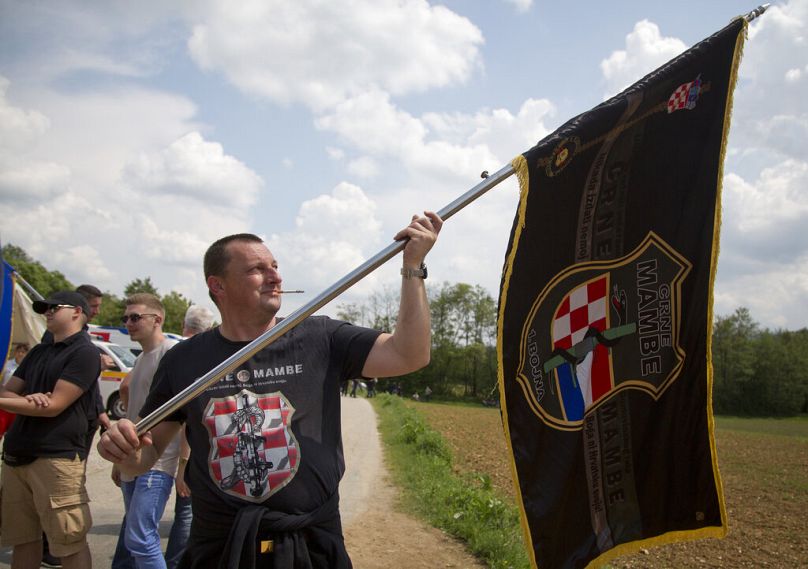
[145, 501]
[180, 530]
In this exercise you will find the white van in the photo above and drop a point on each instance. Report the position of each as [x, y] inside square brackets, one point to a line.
[114, 335]
[110, 381]
[121, 337]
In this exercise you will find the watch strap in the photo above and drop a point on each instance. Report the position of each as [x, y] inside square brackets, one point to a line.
[420, 272]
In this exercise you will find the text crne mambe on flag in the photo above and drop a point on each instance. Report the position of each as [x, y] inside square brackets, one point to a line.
[605, 316]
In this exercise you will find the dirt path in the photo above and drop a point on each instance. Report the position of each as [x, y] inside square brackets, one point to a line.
[377, 536]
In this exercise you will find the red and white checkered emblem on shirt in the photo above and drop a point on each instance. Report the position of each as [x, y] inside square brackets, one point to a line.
[583, 308]
[678, 100]
[253, 452]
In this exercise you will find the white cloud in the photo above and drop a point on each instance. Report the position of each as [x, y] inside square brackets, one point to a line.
[18, 127]
[320, 53]
[75, 36]
[441, 147]
[793, 75]
[334, 233]
[87, 261]
[196, 169]
[774, 291]
[117, 184]
[768, 216]
[336, 217]
[335, 153]
[521, 6]
[33, 181]
[184, 245]
[764, 253]
[769, 115]
[364, 167]
[646, 49]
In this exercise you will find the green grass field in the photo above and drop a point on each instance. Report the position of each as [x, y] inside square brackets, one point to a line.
[787, 427]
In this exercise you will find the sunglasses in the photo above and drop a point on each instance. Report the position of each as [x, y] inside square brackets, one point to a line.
[134, 317]
[54, 308]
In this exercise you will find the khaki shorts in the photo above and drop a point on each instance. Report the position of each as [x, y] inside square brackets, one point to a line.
[47, 495]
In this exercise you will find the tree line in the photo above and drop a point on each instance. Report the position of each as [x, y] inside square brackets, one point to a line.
[464, 358]
[46, 282]
[756, 371]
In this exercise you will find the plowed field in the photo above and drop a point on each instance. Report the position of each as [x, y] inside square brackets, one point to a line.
[765, 480]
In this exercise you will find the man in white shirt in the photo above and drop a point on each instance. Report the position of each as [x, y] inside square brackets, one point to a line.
[145, 496]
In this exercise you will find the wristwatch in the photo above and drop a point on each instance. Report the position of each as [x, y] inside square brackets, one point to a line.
[420, 272]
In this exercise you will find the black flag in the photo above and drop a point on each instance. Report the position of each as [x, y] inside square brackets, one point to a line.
[606, 314]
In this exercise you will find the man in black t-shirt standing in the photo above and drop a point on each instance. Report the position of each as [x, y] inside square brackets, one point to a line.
[266, 446]
[45, 450]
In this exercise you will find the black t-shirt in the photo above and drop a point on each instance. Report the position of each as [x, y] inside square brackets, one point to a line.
[268, 433]
[74, 359]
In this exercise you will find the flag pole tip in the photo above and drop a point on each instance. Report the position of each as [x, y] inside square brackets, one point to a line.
[756, 12]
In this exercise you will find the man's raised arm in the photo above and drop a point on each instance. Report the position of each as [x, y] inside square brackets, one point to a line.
[408, 348]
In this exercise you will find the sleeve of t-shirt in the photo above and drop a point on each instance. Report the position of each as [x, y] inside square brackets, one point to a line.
[83, 368]
[162, 388]
[351, 345]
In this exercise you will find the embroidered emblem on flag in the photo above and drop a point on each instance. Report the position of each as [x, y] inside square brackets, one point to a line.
[581, 384]
[685, 96]
[253, 451]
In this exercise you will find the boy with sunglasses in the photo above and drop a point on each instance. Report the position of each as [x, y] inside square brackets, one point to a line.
[145, 496]
[45, 451]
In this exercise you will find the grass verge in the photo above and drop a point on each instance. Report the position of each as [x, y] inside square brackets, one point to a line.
[464, 506]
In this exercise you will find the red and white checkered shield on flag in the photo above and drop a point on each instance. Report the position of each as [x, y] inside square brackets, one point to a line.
[253, 452]
[685, 96]
[583, 308]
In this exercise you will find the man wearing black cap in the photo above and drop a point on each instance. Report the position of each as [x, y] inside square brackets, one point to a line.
[46, 447]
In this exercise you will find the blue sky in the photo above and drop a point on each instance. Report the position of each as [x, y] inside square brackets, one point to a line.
[134, 134]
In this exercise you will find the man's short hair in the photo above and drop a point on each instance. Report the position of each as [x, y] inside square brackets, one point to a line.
[89, 291]
[146, 299]
[217, 258]
[198, 318]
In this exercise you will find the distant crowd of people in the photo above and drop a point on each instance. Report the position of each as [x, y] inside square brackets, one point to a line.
[349, 388]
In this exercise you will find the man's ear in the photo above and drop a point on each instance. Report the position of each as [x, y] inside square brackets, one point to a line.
[215, 284]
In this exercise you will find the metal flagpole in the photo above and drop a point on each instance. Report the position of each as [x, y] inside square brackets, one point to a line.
[265, 339]
[31, 290]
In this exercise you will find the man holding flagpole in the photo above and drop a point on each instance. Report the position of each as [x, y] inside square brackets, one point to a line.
[266, 447]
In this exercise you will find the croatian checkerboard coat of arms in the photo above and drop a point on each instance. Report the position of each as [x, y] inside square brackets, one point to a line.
[610, 326]
[253, 452]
